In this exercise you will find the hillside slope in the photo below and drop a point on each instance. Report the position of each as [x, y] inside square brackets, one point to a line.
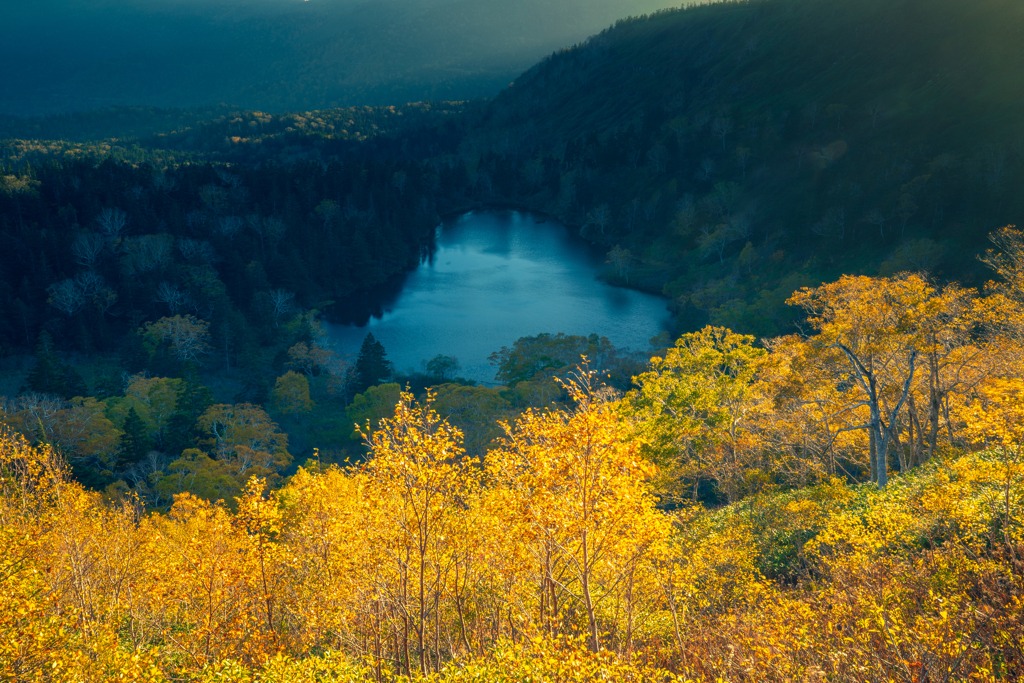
[828, 583]
[738, 150]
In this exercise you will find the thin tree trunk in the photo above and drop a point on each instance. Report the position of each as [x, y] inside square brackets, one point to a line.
[873, 454]
[949, 423]
[405, 644]
[911, 433]
[629, 613]
[883, 476]
[422, 624]
[554, 600]
[437, 629]
[934, 401]
[587, 598]
[901, 454]
[675, 623]
[405, 614]
[458, 608]
[918, 441]
[377, 643]
[545, 621]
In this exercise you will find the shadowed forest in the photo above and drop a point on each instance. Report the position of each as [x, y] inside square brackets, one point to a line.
[816, 476]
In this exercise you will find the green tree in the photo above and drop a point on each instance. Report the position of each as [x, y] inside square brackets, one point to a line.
[182, 431]
[474, 410]
[135, 441]
[197, 473]
[291, 394]
[531, 356]
[443, 367]
[371, 406]
[153, 400]
[51, 376]
[692, 408]
[372, 365]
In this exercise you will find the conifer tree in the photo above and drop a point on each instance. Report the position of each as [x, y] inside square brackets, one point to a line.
[372, 365]
[192, 401]
[135, 441]
[50, 376]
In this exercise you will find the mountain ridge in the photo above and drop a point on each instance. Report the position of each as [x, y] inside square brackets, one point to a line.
[279, 57]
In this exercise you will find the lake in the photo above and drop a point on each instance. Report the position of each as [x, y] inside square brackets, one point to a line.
[496, 276]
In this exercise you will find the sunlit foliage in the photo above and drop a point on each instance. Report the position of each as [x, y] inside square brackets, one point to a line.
[550, 561]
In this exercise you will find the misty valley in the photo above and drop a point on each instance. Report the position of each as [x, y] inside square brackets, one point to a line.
[454, 341]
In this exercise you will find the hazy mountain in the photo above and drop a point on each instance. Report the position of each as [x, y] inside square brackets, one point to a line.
[63, 55]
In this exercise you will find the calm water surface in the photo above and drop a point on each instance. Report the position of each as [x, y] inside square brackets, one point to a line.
[496, 276]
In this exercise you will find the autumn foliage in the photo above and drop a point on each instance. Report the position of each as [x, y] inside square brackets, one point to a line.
[841, 506]
[549, 561]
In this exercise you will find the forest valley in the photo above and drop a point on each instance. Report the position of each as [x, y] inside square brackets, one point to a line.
[816, 477]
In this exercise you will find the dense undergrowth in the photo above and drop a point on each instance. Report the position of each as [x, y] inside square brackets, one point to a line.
[323, 580]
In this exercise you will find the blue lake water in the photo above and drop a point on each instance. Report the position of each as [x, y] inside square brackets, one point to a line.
[494, 277]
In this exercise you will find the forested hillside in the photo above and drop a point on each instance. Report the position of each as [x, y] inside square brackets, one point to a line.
[723, 154]
[89, 247]
[729, 153]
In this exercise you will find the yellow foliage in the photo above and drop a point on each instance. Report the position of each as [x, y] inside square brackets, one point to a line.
[549, 561]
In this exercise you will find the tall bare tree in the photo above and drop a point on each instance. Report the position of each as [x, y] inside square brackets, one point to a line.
[721, 127]
[112, 222]
[66, 296]
[87, 248]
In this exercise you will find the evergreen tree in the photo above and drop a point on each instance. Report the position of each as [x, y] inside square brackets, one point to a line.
[50, 376]
[74, 384]
[193, 398]
[133, 355]
[135, 441]
[45, 377]
[192, 401]
[372, 364]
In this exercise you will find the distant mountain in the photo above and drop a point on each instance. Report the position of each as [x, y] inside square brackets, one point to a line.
[65, 55]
